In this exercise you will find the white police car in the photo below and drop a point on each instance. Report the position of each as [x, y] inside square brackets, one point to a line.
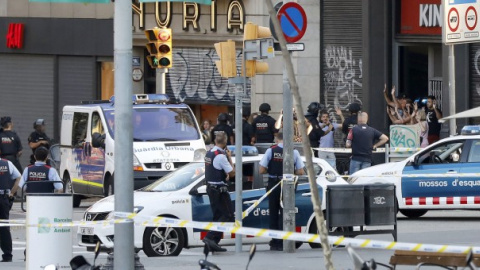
[444, 175]
[182, 194]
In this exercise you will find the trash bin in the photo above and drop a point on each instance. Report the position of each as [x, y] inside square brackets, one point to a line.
[380, 204]
[345, 205]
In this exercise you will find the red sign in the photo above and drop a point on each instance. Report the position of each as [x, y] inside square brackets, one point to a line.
[15, 36]
[421, 17]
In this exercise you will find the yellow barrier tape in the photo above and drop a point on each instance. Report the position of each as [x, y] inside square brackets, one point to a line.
[293, 236]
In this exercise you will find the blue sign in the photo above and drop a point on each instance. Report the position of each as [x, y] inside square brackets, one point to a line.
[458, 2]
[293, 21]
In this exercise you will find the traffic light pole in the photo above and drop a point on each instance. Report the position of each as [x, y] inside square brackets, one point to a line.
[124, 249]
[239, 84]
[161, 87]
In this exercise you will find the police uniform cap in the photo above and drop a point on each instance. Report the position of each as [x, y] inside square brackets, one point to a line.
[246, 112]
[264, 107]
[38, 122]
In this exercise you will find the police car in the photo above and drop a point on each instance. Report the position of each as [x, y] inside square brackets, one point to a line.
[432, 178]
[165, 137]
[182, 194]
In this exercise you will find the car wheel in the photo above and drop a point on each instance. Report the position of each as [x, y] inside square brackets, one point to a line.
[108, 186]
[163, 241]
[413, 213]
[68, 188]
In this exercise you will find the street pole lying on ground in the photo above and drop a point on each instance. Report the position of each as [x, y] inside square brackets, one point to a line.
[306, 143]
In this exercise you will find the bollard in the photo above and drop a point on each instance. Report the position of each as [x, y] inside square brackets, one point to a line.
[47, 244]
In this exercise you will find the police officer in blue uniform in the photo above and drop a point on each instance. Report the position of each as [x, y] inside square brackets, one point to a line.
[40, 171]
[219, 169]
[272, 163]
[264, 125]
[38, 138]
[10, 144]
[8, 173]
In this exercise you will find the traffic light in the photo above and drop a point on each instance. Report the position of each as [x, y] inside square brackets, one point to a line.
[160, 47]
[252, 31]
[227, 65]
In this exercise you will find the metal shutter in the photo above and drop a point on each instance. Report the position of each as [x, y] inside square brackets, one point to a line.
[475, 79]
[76, 81]
[341, 47]
[341, 55]
[27, 93]
[194, 78]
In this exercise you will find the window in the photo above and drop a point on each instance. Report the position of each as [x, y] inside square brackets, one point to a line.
[474, 155]
[97, 126]
[79, 129]
[450, 152]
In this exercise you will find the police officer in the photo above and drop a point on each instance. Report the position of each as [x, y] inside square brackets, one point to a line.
[219, 169]
[272, 163]
[351, 121]
[38, 138]
[264, 125]
[40, 171]
[10, 144]
[222, 126]
[8, 173]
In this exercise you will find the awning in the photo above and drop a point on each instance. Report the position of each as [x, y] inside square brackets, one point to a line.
[475, 112]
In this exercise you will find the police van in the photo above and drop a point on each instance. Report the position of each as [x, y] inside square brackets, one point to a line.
[165, 137]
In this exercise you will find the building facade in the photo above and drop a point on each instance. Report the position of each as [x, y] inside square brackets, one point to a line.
[54, 54]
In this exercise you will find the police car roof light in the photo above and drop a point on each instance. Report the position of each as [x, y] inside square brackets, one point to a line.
[247, 150]
[470, 130]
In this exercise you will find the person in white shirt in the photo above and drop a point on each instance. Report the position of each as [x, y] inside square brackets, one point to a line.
[328, 141]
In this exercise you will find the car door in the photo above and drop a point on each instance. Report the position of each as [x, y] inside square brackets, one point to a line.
[428, 176]
[468, 187]
[95, 157]
[78, 163]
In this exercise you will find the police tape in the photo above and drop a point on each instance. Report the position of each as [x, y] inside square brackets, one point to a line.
[257, 202]
[265, 233]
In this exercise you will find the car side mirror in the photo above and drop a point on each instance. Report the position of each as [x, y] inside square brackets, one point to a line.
[98, 140]
[416, 161]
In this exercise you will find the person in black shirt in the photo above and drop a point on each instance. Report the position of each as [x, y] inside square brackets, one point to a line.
[223, 126]
[351, 121]
[38, 138]
[10, 144]
[247, 129]
[312, 113]
[264, 125]
[362, 141]
[433, 114]
[314, 135]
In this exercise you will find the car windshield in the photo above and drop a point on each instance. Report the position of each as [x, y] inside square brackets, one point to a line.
[178, 179]
[159, 124]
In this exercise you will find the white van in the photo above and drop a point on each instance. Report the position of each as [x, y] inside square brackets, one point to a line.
[165, 137]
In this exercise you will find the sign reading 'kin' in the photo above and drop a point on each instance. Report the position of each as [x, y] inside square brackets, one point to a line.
[461, 21]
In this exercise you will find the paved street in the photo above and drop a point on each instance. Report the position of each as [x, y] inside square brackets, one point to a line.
[437, 227]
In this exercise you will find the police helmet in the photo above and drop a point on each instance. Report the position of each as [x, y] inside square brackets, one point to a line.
[5, 120]
[38, 122]
[314, 107]
[354, 107]
[264, 107]
[223, 117]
